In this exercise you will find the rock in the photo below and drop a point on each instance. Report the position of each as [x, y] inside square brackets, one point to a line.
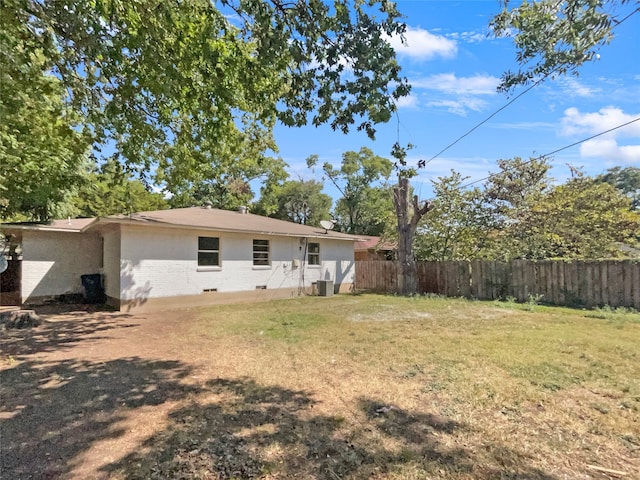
[19, 319]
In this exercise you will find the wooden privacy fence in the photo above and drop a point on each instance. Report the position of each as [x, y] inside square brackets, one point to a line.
[575, 284]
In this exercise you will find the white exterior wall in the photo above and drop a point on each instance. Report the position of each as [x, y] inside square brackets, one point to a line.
[52, 262]
[337, 262]
[111, 262]
[162, 262]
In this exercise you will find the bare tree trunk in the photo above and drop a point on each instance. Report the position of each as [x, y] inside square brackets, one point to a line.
[408, 214]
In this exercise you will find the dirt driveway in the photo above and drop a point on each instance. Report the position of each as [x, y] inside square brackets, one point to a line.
[83, 390]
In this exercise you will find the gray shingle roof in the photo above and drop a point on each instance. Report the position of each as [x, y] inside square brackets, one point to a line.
[224, 221]
[192, 217]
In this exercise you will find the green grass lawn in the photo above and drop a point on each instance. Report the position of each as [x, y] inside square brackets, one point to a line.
[371, 386]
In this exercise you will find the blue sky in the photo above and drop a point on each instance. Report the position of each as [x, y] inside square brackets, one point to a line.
[454, 68]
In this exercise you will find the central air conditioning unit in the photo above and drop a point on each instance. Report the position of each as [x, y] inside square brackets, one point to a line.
[325, 288]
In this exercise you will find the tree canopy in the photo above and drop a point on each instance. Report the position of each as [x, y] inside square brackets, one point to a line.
[111, 190]
[585, 219]
[626, 180]
[555, 38]
[457, 225]
[174, 85]
[298, 201]
[43, 155]
[366, 202]
[521, 213]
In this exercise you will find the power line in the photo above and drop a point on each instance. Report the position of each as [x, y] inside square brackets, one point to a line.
[622, 125]
[491, 116]
[535, 84]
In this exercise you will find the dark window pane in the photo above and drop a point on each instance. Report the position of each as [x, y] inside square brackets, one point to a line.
[313, 256]
[208, 259]
[208, 243]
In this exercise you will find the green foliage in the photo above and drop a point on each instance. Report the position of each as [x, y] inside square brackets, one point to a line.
[626, 180]
[518, 184]
[297, 201]
[622, 314]
[584, 219]
[520, 214]
[553, 38]
[42, 152]
[226, 183]
[372, 216]
[513, 193]
[363, 209]
[457, 225]
[110, 190]
[176, 87]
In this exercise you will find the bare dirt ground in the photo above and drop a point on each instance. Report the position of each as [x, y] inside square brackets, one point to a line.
[86, 388]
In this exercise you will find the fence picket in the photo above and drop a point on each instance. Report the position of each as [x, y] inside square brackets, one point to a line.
[576, 283]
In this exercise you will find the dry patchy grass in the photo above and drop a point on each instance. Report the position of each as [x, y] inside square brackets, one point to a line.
[348, 387]
[383, 387]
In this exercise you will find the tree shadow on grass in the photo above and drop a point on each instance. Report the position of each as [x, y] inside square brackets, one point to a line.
[66, 331]
[424, 438]
[52, 412]
[249, 432]
[254, 431]
[420, 435]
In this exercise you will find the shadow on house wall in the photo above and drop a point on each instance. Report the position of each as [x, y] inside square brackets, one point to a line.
[53, 263]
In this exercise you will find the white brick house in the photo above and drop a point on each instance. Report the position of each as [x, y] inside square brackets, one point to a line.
[181, 257]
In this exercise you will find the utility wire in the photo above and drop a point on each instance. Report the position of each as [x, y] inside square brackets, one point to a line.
[535, 84]
[538, 82]
[622, 125]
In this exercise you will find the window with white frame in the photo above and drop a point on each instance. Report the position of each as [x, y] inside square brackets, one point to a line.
[208, 252]
[261, 253]
[313, 254]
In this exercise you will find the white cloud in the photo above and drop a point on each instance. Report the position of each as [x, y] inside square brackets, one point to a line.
[469, 37]
[573, 88]
[461, 105]
[608, 145]
[423, 45]
[574, 122]
[410, 101]
[449, 83]
[523, 125]
[461, 94]
[609, 149]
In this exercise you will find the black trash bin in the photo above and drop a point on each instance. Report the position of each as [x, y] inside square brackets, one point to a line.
[93, 290]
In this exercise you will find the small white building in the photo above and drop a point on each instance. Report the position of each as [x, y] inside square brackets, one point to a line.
[180, 257]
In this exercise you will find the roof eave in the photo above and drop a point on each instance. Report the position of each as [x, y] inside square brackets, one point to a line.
[46, 228]
[149, 223]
